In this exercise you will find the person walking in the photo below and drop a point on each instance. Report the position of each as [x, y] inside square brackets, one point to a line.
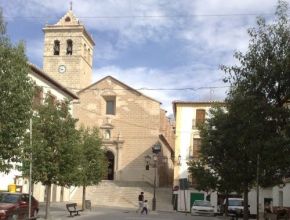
[140, 201]
[145, 207]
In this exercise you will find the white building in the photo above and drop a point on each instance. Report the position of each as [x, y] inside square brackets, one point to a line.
[188, 115]
[45, 86]
[281, 194]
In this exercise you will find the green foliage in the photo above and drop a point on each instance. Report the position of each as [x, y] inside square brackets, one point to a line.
[206, 179]
[54, 145]
[16, 91]
[259, 95]
[215, 169]
[256, 123]
[93, 162]
[264, 69]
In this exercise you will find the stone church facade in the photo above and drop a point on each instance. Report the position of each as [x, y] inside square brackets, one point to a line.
[130, 122]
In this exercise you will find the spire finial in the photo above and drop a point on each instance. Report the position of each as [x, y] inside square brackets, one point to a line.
[71, 5]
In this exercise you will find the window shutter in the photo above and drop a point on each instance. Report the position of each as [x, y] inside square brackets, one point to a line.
[196, 146]
[200, 117]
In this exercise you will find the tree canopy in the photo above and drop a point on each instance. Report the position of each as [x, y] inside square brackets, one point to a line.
[54, 144]
[16, 92]
[217, 159]
[252, 135]
[260, 93]
[54, 149]
[93, 163]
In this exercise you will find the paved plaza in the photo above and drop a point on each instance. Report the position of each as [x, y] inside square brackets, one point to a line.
[104, 213]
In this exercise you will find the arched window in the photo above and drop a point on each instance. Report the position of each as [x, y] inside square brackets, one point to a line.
[69, 48]
[67, 19]
[107, 134]
[56, 47]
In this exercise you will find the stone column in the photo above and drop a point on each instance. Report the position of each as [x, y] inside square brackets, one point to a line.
[119, 144]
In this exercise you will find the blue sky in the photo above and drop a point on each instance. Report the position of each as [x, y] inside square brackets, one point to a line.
[165, 46]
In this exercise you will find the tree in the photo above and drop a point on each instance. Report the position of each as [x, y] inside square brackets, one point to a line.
[93, 163]
[260, 89]
[257, 119]
[215, 168]
[54, 150]
[16, 91]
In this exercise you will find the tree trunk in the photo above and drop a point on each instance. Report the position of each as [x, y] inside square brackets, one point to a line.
[47, 205]
[226, 204]
[84, 197]
[246, 202]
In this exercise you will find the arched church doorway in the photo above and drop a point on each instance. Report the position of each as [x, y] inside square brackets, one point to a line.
[111, 165]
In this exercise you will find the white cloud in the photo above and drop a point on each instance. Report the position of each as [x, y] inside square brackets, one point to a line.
[112, 15]
[235, 6]
[207, 32]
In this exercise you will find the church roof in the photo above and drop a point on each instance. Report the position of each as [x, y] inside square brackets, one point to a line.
[120, 83]
[69, 21]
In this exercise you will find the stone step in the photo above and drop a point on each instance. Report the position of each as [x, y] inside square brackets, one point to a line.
[124, 194]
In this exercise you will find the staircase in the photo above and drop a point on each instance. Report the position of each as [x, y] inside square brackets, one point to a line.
[123, 194]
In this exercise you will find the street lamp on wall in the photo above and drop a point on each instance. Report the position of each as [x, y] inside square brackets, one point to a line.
[147, 160]
[156, 149]
[154, 191]
[154, 164]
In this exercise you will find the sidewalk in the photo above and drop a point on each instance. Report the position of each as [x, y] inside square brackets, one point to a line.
[58, 211]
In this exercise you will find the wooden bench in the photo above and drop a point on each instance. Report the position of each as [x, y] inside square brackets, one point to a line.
[72, 209]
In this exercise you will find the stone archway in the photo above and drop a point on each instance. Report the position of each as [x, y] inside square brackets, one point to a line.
[111, 165]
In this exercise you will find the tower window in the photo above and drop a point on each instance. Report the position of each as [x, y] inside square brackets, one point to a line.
[56, 47]
[69, 47]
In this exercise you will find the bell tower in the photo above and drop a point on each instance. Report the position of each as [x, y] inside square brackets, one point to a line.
[68, 52]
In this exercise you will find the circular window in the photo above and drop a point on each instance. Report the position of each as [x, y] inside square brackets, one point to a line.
[67, 19]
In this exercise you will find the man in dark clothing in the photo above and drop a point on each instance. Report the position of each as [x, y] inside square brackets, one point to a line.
[140, 202]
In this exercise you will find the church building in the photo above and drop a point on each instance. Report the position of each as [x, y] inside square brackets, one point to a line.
[130, 123]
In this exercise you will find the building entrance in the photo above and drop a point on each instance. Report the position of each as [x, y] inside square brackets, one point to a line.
[111, 165]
